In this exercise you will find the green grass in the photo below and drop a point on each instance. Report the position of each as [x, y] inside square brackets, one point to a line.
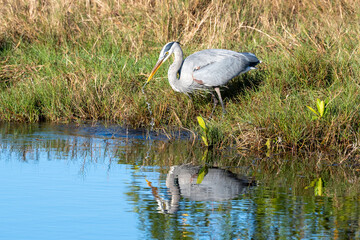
[63, 61]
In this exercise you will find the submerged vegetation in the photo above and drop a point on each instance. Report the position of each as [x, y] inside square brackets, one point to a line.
[68, 61]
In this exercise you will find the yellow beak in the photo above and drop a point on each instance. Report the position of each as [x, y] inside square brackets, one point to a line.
[157, 66]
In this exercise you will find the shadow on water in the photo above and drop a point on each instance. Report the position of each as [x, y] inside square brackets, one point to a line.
[224, 197]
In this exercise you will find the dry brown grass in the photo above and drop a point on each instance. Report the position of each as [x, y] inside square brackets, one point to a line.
[279, 24]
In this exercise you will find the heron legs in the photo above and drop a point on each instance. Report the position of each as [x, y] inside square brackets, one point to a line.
[217, 90]
[215, 103]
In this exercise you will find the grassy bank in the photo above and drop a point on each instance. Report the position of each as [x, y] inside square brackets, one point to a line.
[67, 61]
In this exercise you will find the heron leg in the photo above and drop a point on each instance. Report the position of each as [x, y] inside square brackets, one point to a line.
[217, 90]
[215, 103]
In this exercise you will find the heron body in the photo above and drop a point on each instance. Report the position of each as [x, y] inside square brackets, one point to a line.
[203, 70]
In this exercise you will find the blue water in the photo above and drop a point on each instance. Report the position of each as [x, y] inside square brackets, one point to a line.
[50, 192]
[63, 199]
[60, 182]
[55, 200]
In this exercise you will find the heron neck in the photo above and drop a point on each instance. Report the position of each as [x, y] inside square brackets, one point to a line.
[174, 70]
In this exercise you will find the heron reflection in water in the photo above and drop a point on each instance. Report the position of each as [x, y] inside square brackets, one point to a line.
[204, 70]
[217, 185]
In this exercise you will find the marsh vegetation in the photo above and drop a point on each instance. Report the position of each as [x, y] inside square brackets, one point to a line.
[64, 61]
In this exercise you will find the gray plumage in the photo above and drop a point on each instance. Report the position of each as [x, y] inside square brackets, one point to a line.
[206, 69]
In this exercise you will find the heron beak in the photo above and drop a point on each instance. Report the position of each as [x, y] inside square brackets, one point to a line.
[157, 66]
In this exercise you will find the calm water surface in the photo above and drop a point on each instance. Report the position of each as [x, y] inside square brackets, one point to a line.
[95, 182]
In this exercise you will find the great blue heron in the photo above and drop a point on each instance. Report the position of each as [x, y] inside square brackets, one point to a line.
[206, 69]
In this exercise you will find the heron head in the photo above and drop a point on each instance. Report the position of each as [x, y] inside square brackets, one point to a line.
[167, 50]
[165, 53]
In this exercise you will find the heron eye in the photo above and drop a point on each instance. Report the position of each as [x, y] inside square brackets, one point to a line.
[167, 53]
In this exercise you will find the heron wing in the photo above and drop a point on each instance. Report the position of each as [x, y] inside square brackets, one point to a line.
[215, 67]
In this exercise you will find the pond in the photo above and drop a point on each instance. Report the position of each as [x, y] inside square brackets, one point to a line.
[107, 182]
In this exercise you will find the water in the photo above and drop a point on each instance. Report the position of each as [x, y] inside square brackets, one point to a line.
[95, 182]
